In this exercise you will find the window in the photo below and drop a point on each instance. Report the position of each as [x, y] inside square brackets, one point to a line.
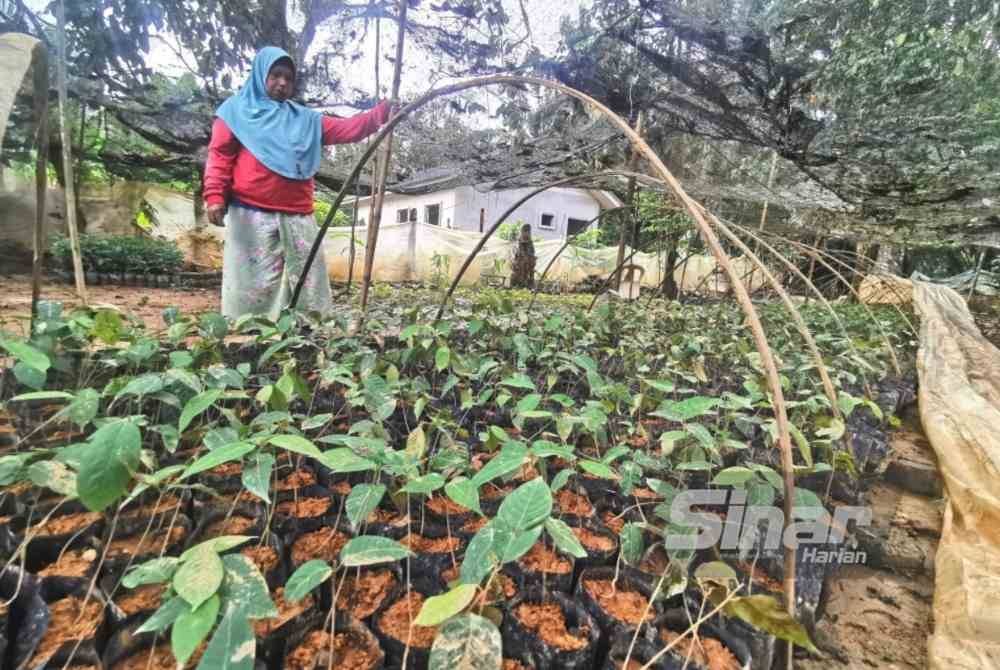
[432, 214]
[406, 215]
[575, 226]
[548, 222]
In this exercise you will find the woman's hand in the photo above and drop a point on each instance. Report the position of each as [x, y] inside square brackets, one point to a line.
[217, 215]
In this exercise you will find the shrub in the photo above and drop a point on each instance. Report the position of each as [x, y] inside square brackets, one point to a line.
[118, 254]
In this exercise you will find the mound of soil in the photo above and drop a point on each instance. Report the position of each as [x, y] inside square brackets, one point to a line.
[548, 622]
[541, 558]
[443, 506]
[427, 545]
[66, 524]
[234, 525]
[73, 563]
[145, 598]
[264, 557]
[627, 606]
[158, 658]
[297, 480]
[227, 469]
[593, 541]
[386, 517]
[397, 622]
[511, 664]
[167, 503]
[568, 502]
[286, 612]
[350, 652]
[705, 652]
[614, 522]
[142, 544]
[363, 594]
[324, 544]
[71, 619]
[304, 508]
[475, 524]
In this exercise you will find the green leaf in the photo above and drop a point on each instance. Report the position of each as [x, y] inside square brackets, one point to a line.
[233, 647]
[834, 431]
[479, 556]
[438, 609]
[766, 613]
[296, 444]
[12, 468]
[424, 485]
[216, 457]
[55, 476]
[196, 405]
[519, 381]
[31, 377]
[143, 385]
[464, 492]
[217, 545]
[687, 409]
[772, 477]
[564, 538]
[529, 505]
[734, 476]
[199, 577]
[807, 505]
[362, 501]
[467, 642]
[191, 628]
[561, 479]
[632, 545]
[107, 326]
[442, 357]
[214, 325]
[156, 571]
[309, 575]
[257, 475]
[510, 458]
[344, 460]
[528, 403]
[760, 494]
[600, 470]
[546, 449]
[802, 443]
[164, 616]
[107, 465]
[512, 545]
[700, 433]
[84, 407]
[28, 355]
[695, 465]
[42, 395]
[372, 550]
[245, 586]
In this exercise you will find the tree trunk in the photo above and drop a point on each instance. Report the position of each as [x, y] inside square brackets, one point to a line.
[670, 289]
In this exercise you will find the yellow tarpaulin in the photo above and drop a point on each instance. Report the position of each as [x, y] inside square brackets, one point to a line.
[960, 410]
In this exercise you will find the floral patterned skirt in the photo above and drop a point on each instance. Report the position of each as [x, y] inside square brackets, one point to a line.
[263, 259]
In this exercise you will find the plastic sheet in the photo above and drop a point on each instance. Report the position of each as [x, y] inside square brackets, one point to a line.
[960, 410]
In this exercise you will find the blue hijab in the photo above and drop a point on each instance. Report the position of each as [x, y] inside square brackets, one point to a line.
[284, 136]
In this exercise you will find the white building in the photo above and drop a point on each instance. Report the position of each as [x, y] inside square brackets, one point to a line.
[441, 197]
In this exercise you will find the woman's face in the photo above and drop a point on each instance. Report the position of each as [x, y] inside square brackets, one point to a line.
[280, 81]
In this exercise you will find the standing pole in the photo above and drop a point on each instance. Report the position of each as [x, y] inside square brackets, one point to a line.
[975, 279]
[67, 155]
[629, 203]
[41, 99]
[385, 150]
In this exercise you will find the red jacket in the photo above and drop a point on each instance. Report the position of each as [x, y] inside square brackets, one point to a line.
[232, 173]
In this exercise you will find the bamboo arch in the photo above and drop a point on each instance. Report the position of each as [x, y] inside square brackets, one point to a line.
[704, 228]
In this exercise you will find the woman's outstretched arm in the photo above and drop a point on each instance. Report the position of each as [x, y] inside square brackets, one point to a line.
[355, 128]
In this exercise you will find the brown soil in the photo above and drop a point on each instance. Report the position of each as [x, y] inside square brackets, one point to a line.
[443, 506]
[397, 622]
[70, 619]
[226, 470]
[543, 559]
[655, 562]
[548, 622]
[627, 606]
[614, 522]
[304, 508]
[75, 563]
[363, 594]
[234, 525]
[159, 658]
[593, 541]
[568, 502]
[387, 517]
[643, 493]
[350, 652]
[324, 544]
[342, 488]
[475, 524]
[427, 545]
[491, 492]
[511, 664]
[264, 557]
[501, 588]
[286, 612]
[760, 578]
[66, 524]
[166, 504]
[297, 480]
[142, 599]
[631, 665]
[137, 545]
[705, 652]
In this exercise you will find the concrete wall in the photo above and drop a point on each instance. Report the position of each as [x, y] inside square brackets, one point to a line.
[562, 203]
[394, 202]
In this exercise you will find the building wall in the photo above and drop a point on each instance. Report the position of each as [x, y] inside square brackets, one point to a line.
[562, 203]
[394, 202]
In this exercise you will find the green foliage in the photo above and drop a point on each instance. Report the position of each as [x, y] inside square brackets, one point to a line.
[116, 254]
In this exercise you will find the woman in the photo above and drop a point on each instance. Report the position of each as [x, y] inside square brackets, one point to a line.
[264, 152]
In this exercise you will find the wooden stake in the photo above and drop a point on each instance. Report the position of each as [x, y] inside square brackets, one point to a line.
[629, 204]
[385, 156]
[41, 99]
[67, 153]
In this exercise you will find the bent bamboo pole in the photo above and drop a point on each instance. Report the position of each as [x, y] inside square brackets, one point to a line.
[40, 73]
[708, 235]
